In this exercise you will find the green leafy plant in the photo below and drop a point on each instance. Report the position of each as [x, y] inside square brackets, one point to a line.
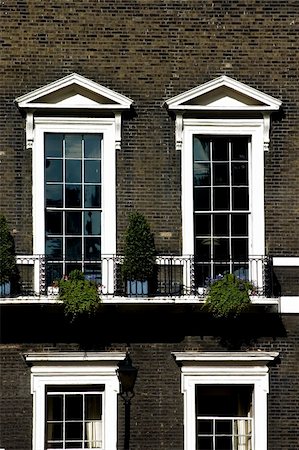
[228, 296]
[139, 249]
[8, 266]
[79, 296]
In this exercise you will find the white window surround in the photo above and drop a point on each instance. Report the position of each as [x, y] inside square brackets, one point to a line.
[226, 368]
[71, 369]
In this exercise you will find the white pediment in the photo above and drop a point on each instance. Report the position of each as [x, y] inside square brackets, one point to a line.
[223, 93]
[74, 92]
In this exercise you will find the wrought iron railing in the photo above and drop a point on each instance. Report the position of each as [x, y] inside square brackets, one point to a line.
[175, 276]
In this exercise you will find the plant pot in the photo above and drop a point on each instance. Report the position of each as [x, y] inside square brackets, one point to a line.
[4, 289]
[137, 288]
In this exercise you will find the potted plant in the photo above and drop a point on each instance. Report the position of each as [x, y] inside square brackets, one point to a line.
[228, 296]
[138, 266]
[78, 294]
[8, 266]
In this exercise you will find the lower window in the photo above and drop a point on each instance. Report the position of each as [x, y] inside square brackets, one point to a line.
[224, 417]
[74, 417]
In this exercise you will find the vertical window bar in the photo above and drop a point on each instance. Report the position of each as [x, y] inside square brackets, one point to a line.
[211, 209]
[64, 203]
[230, 203]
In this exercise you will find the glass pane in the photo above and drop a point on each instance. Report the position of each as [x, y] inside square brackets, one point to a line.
[202, 273]
[72, 196]
[240, 198]
[223, 443]
[239, 225]
[202, 199]
[54, 195]
[92, 172]
[54, 273]
[54, 431]
[73, 222]
[240, 249]
[53, 170]
[53, 222]
[73, 431]
[70, 267]
[92, 147]
[73, 248]
[92, 196]
[74, 407]
[202, 224]
[203, 249]
[239, 148]
[224, 427]
[221, 224]
[201, 150]
[54, 248]
[220, 174]
[220, 149]
[92, 444]
[205, 426]
[240, 174]
[221, 198]
[73, 171]
[92, 222]
[93, 407]
[92, 248]
[205, 443]
[241, 271]
[202, 175]
[53, 145]
[54, 407]
[73, 146]
[221, 249]
[55, 445]
[93, 272]
[73, 444]
[221, 269]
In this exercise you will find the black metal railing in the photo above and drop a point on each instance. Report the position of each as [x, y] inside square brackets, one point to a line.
[174, 276]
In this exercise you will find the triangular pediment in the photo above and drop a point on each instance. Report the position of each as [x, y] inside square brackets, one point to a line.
[223, 93]
[74, 92]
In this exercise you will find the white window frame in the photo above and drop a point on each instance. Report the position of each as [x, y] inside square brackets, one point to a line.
[254, 128]
[103, 126]
[226, 368]
[73, 369]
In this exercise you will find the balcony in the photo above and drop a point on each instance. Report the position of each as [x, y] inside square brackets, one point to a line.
[177, 277]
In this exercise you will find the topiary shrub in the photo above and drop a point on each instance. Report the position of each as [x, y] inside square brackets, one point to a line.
[79, 296]
[228, 296]
[139, 249]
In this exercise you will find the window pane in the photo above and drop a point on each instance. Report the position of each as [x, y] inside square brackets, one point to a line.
[53, 222]
[73, 171]
[54, 195]
[92, 196]
[93, 272]
[240, 249]
[224, 427]
[73, 444]
[54, 272]
[202, 176]
[93, 407]
[203, 249]
[73, 248]
[73, 146]
[73, 222]
[220, 149]
[205, 443]
[92, 172]
[54, 407]
[239, 174]
[92, 222]
[223, 443]
[72, 196]
[221, 198]
[73, 407]
[220, 174]
[221, 224]
[202, 224]
[239, 224]
[201, 149]
[205, 426]
[240, 148]
[53, 170]
[221, 249]
[92, 147]
[54, 248]
[240, 198]
[53, 145]
[202, 199]
[92, 248]
[54, 431]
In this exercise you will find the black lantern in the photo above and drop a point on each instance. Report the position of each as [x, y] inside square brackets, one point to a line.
[127, 375]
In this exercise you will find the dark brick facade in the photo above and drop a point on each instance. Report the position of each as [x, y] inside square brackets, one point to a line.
[151, 50]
